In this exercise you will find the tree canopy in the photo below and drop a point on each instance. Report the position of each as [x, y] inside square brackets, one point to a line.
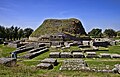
[118, 33]
[14, 33]
[27, 32]
[110, 33]
[95, 32]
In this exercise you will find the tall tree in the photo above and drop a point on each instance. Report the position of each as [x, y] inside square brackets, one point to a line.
[118, 33]
[20, 33]
[1, 36]
[95, 32]
[11, 32]
[110, 33]
[15, 33]
[27, 32]
[2, 32]
[7, 32]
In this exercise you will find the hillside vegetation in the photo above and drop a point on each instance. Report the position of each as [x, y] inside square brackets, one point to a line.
[52, 26]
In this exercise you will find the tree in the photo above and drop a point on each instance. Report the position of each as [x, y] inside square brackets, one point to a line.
[11, 32]
[7, 32]
[110, 33]
[118, 33]
[2, 32]
[95, 32]
[20, 33]
[15, 33]
[27, 32]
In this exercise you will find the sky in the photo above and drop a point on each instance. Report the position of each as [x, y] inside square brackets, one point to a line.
[101, 14]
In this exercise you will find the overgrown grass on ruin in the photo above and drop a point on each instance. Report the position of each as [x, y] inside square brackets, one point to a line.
[102, 64]
[26, 68]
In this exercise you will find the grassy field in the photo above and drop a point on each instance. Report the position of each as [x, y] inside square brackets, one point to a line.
[29, 71]
[111, 50]
[26, 67]
[114, 49]
[5, 51]
[102, 64]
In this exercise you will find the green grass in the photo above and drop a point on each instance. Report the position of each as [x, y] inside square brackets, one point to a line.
[116, 38]
[114, 49]
[103, 48]
[5, 51]
[21, 54]
[102, 64]
[29, 62]
[72, 48]
[26, 67]
[17, 71]
[27, 71]
[111, 50]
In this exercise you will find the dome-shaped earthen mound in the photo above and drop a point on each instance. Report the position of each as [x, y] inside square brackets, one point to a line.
[53, 26]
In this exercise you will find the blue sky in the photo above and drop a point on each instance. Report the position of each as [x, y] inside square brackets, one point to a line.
[31, 13]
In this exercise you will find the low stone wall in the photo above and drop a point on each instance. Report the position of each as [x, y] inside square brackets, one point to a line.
[33, 38]
[23, 50]
[78, 55]
[36, 49]
[81, 65]
[13, 45]
[50, 60]
[66, 55]
[45, 66]
[8, 61]
[82, 55]
[74, 64]
[34, 54]
[105, 55]
[54, 55]
[115, 56]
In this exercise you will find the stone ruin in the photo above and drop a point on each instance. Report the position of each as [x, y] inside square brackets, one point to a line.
[105, 55]
[74, 64]
[116, 69]
[91, 55]
[8, 61]
[32, 49]
[81, 65]
[47, 63]
[66, 55]
[54, 54]
[34, 54]
[79, 54]
[50, 60]
[23, 49]
[115, 56]
[44, 66]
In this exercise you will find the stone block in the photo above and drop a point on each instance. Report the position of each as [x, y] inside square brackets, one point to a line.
[45, 66]
[8, 61]
[54, 55]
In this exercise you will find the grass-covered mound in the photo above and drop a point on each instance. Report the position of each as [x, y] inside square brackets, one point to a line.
[52, 26]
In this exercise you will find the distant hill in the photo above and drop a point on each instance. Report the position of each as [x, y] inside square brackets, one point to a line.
[53, 26]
